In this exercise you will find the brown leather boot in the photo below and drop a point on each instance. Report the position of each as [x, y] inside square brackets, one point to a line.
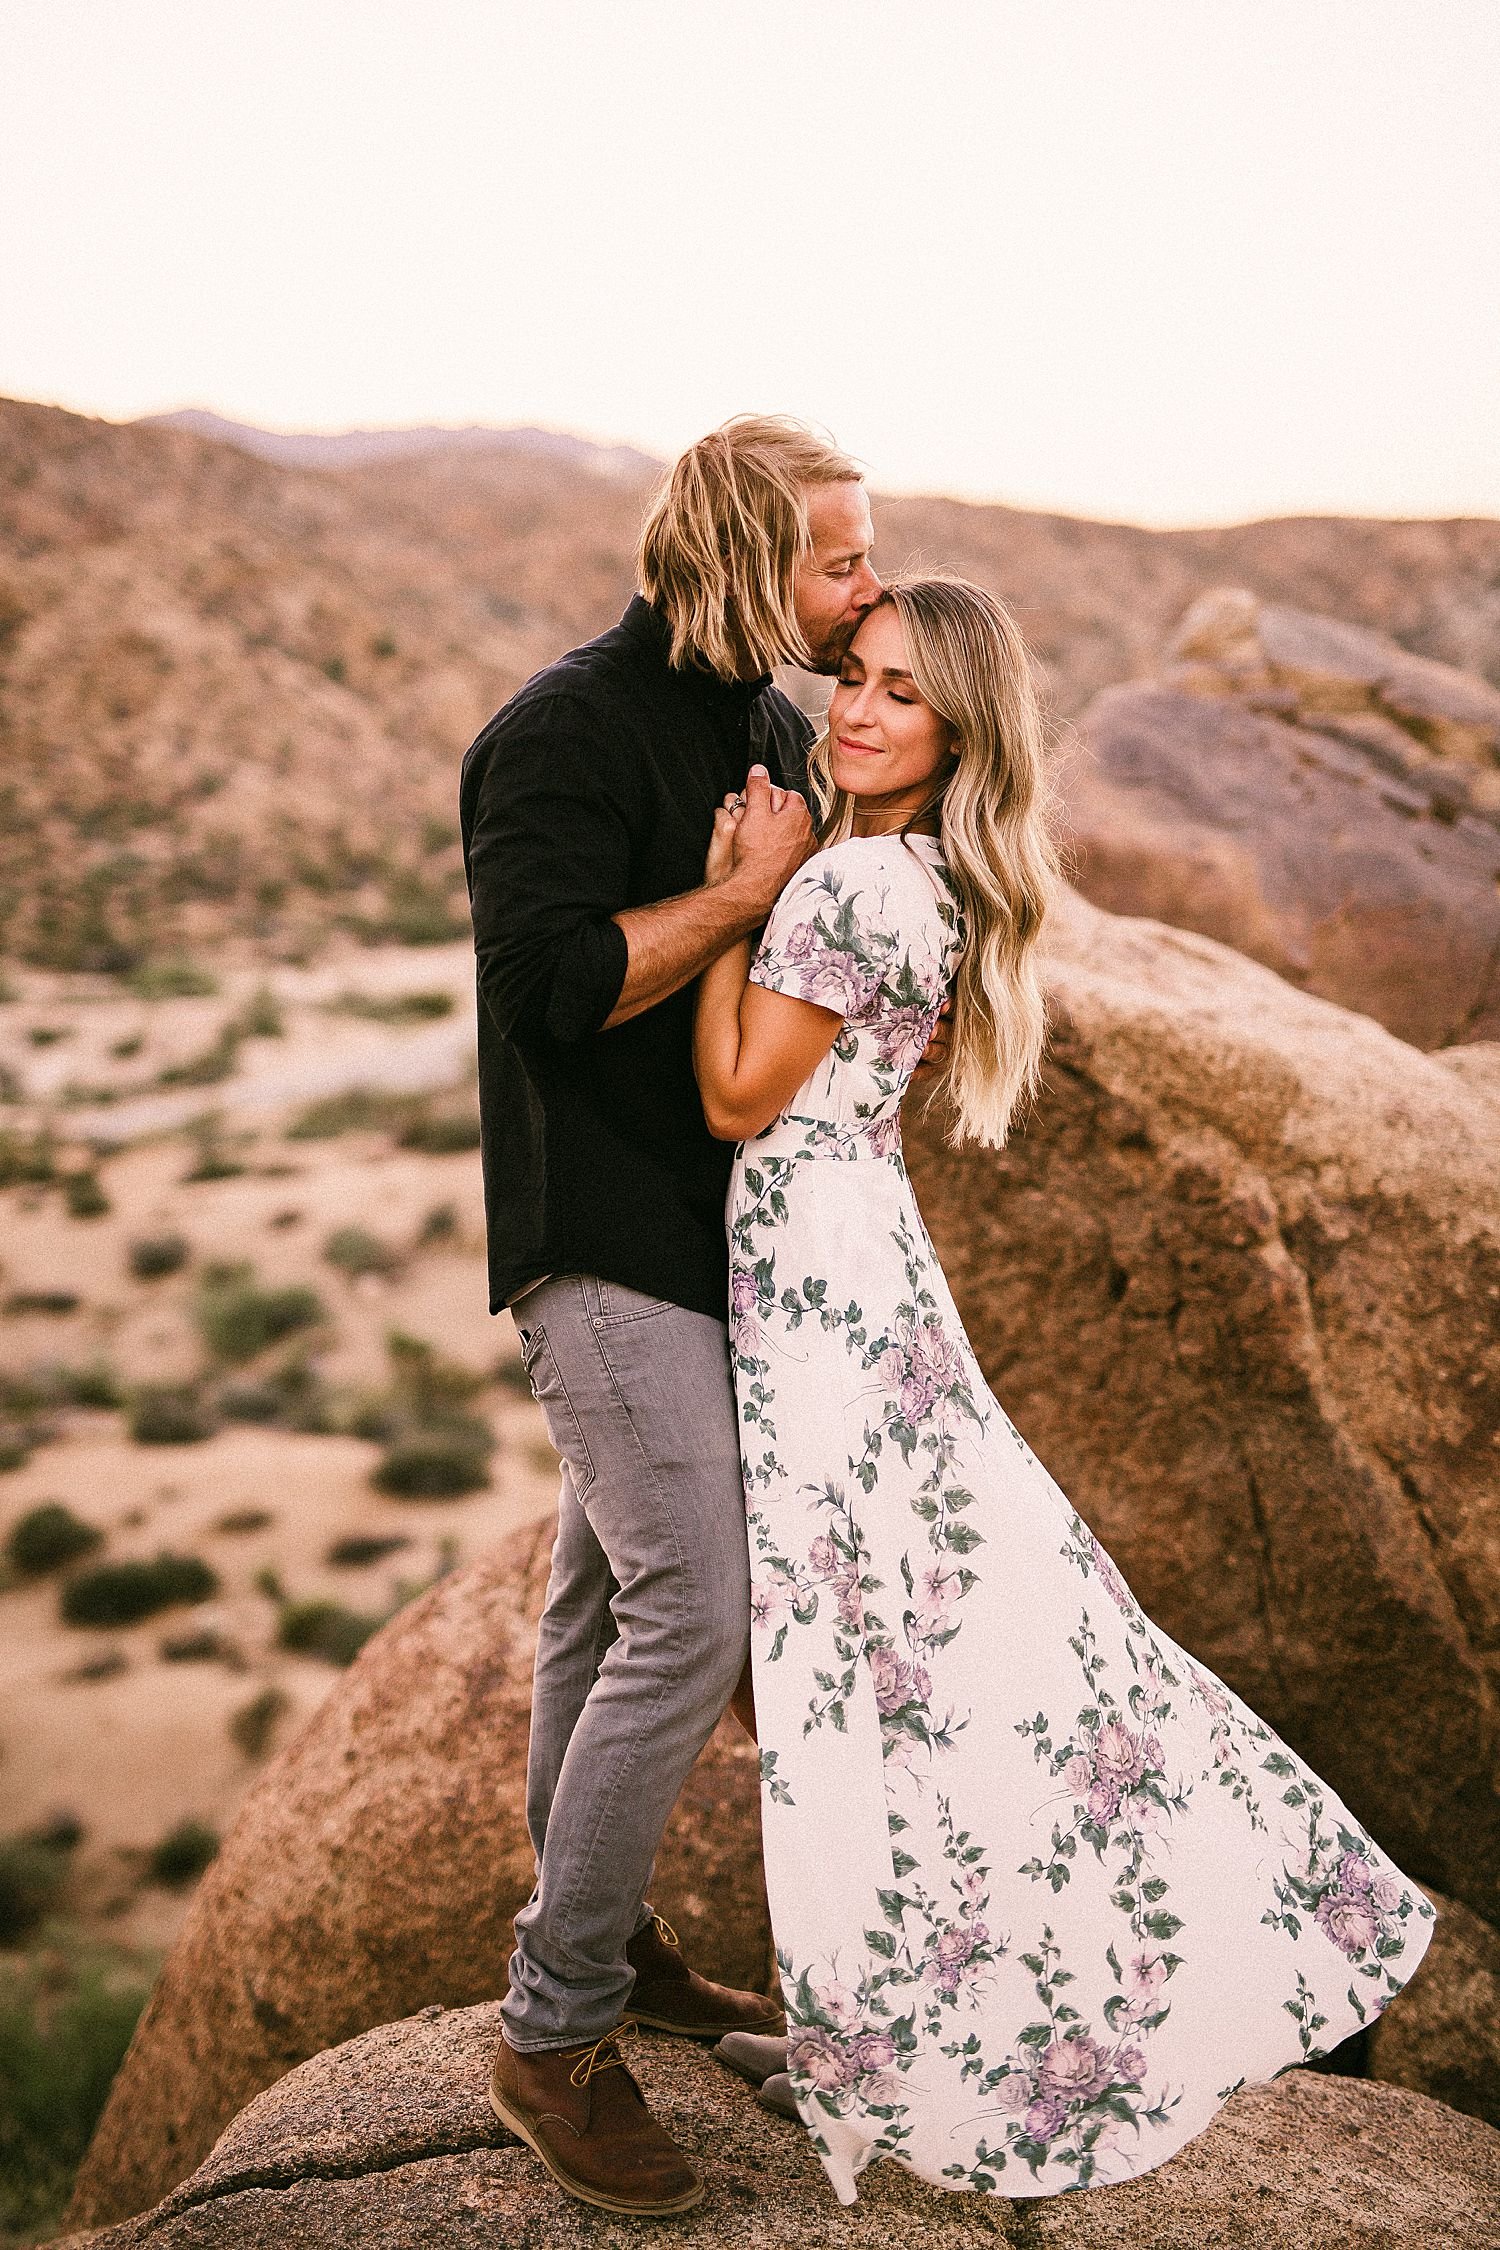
[669, 1996]
[581, 2112]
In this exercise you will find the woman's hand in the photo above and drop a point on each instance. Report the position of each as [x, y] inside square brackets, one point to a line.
[720, 861]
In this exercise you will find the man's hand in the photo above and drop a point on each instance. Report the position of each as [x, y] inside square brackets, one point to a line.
[773, 836]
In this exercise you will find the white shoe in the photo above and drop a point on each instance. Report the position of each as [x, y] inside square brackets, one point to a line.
[776, 2093]
[755, 2055]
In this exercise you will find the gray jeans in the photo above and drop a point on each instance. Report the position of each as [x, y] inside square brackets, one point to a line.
[644, 1634]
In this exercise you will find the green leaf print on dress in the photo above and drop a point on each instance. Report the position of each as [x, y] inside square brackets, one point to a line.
[1045, 1891]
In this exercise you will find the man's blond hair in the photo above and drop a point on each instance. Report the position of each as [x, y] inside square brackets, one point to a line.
[720, 546]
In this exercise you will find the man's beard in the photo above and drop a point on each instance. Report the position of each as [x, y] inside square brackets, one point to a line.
[830, 652]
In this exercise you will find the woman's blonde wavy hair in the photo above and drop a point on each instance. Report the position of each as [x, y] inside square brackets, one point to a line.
[722, 539]
[970, 663]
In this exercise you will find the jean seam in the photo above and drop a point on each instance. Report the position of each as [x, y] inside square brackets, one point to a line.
[583, 1444]
[669, 1681]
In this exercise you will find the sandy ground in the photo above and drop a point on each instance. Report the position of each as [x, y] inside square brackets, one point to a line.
[146, 1745]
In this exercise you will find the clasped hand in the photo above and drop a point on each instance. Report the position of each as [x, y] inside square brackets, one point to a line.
[761, 838]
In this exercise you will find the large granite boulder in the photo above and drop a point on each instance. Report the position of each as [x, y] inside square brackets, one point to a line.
[375, 1867]
[1441, 2033]
[1310, 793]
[1238, 1283]
[388, 2143]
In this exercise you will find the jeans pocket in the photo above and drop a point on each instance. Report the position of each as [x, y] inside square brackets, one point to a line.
[615, 1303]
[551, 1395]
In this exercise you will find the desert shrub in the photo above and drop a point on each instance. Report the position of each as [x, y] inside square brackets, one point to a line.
[418, 911]
[429, 1386]
[94, 1384]
[27, 1159]
[440, 1224]
[84, 1195]
[355, 1251]
[445, 1134]
[326, 1629]
[261, 1016]
[375, 1419]
[100, 1664]
[238, 1319]
[213, 1158]
[180, 1856]
[121, 1592]
[33, 1871]
[151, 1256]
[253, 1724]
[394, 1007]
[354, 1552]
[432, 1465]
[170, 1414]
[359, 1109]
[202, 1646]
[56, 1303]
[49, 1536]
[244, 1519]
[15, 1451]
[65, 2023]
[171, 980]
[211, 1066]
[259, 1403]
[126, 1049]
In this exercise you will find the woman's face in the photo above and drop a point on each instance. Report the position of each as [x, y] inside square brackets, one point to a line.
[886, 746]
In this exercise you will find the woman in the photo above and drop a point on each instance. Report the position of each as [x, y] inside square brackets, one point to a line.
[1045, 1891]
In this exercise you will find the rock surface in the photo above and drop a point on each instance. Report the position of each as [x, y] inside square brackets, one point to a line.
[1312, 794]
[388, 2143]
[375, 1868]
[1238, 1285]
[1441, 2034]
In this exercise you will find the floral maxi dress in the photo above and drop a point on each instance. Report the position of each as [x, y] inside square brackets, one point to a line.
[1045, 1891]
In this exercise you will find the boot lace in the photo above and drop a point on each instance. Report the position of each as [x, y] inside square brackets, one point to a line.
[603, 2055]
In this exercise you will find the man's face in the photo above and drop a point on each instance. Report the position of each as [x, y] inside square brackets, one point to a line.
[835, 585]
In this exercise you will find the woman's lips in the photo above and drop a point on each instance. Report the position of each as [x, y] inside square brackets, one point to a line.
[857, 749]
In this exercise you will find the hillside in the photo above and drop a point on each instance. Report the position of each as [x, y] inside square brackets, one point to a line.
[234, 691]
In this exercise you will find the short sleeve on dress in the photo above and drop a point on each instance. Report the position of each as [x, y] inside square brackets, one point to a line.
[826, 941]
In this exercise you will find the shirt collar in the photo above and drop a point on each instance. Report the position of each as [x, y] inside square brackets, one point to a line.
[645, 623]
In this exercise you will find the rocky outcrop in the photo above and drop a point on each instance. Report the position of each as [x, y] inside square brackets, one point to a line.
[1238, 1283]
[389, 2142]
[1441, 2034]
[375, 1868]
[1312, 794]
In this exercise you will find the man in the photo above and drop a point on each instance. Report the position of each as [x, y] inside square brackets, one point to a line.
[587, 804]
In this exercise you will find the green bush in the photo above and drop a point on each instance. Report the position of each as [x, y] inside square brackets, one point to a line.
[261, 1016]
[359, 1109]
[66, 2020]
[244, 1519]
[121, 1592]
[394, 1007]
[27, 1159]
[151, 1256]
[55, 1303]
[172, 980]
[444, 1135]
[433, 1465]
[202, 1646]
[355, 1251]
[32, 1874]
[260, 1403]
[353, 1553]
[326, 1629]
[84, 1196]
[95, 1384]
[211, 1067]
[252, 1726]
[212, 1159]
[170, 1414]
[440, 1224]
[238, 1319]
[182, 1854]
[49, 1536]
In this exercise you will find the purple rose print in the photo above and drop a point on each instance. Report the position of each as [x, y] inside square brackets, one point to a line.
[897, 1682]
[744, 1306]
[1045, 2117]
[1076, 2069]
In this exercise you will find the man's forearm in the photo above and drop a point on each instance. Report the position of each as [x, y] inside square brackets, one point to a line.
[673, 941]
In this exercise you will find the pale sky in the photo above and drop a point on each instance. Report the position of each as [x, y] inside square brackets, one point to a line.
[1170, 260]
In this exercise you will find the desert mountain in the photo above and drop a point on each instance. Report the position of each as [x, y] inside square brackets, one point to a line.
[234, 690]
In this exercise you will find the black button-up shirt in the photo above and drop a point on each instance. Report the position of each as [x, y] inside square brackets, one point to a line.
[594, 789]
